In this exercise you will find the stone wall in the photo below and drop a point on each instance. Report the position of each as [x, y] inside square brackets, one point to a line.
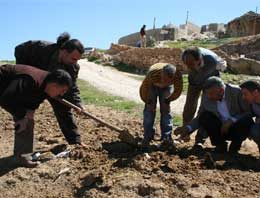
[143, 58]
[115, 49]
[248, 24]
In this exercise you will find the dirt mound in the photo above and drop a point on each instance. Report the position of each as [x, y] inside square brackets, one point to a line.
[109, 168]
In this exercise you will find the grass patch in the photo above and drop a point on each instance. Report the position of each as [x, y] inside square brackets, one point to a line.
[91, 95]
[237, 79]
[92, 59]
[7, 62]
[185, 83]
[140, 78]
[177, 120]
[128, 68]
[201, 43]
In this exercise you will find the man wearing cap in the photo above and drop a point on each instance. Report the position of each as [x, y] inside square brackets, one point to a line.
[162, 81]
[202, 64]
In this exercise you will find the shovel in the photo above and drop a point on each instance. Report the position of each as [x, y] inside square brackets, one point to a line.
[124, 134]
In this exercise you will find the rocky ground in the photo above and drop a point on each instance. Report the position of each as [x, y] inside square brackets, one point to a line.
[109, 168]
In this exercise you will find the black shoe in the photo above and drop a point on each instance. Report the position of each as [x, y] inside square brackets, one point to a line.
[145, 145]
[167, 144]
[197, 147]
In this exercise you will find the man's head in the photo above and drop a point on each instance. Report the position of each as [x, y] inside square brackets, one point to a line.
[168, 73]
[250, 91]
[192, 57]
[70, 50]
[57, 83]
[214, 88]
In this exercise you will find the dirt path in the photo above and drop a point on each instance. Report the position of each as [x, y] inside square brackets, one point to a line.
[118, 83]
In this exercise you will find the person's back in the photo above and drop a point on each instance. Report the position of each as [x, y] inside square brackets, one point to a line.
[51, 56]
[36, 53]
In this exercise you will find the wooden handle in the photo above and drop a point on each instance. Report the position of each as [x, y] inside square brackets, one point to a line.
[69, 104]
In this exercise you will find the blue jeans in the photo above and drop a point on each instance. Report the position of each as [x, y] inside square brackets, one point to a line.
[166, 121]
[255, 134]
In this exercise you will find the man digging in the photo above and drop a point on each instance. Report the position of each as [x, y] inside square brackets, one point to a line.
[22, 89]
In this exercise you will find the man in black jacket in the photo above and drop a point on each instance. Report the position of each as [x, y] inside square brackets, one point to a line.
[51, 56]
[22, 90]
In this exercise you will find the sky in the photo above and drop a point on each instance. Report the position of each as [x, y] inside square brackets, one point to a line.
[98, 23]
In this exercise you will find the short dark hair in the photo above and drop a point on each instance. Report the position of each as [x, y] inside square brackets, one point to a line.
[213, 82]
[169, 70]
[194, 51]
[64, 42]
[251, 85]
[61, 77]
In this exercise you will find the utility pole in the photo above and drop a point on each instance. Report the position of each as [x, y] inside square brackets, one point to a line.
[187, 17]
[255, 21]
[154, 33]
[186, 26]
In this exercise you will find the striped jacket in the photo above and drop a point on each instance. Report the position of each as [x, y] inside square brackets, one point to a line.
[154, 77]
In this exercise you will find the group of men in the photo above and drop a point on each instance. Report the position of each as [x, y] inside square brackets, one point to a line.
[46, 70]
[226, 111]
[43, 70]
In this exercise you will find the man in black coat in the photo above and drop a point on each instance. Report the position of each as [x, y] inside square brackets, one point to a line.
[48, 56]
[22, 89]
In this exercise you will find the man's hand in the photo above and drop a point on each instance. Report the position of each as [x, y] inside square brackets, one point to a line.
[225, 126]
[21, 125]
[183, 132]
[80, 110]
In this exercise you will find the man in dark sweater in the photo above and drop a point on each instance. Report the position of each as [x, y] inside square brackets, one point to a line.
[51, 56]
[251, 94]
[22, 89]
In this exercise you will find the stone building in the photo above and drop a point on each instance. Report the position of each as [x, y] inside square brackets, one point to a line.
[213, 27]
[190, 28]
[246, 25]
[167, 32]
